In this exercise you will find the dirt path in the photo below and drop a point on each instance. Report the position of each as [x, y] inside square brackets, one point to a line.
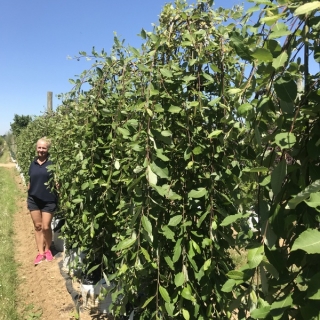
[42, 291]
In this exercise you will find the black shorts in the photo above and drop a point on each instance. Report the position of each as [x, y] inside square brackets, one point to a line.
[37, 204]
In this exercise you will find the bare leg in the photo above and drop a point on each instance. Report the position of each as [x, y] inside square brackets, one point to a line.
[46, 229]
[36, 216]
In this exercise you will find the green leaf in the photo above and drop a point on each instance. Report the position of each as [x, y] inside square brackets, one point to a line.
[213, 102]
[124, 132]
[161, 156]
[143, 68]
[244, 108]
[196, 246]
[257, 135]
[143, 34]
[93, 268]
[146, 254]
[161, 172]
[186, 293]
[234, 90]
[271, 20]
[277, 176]
[255, 256]
[282, 303]
[237, 41]
[179, 279]
[77, 200]
[307, 7]
[308, 241]
[316, 54]
[260, 313]
[164, 294]
[174, 221]
[230, 219]
[314, 200]
[146, 224]
[151, 176]
[85, 185]
[166, 133]
[214, 133]
[169, 308]
[147, 301]
[125, 244]
[229, 285]
[270, 268]
[285, 140]
[201, 192]
[172, 195]
[262, 54]
[305, 194]
[169, 262]
[235, 275]
[117, 164]
[207, 77]
[174, 109]
[273, 46]
[153, 92]
[177, 250]
[280, 61]
[168, 233]
[286, 89]
[189, 78]
[266, 180]
[253, 296]
[279, 34]
[313, 291]
[166, 73]
[202, 218]
[102, 101]
[99, 71]
[197, 150]
[186, 314]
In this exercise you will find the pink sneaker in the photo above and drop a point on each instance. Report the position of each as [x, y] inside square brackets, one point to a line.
[39, 258]
[48, 255]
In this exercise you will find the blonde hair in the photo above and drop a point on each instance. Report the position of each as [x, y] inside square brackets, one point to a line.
[46, 140]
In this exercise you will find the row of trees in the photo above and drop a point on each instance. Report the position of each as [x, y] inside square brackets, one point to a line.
[175, 145]
[19, 123]
[2, 141]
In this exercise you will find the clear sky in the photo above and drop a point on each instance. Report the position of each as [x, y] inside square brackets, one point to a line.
[37, 36]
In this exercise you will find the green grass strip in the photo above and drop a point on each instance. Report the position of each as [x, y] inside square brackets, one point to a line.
[8, 268]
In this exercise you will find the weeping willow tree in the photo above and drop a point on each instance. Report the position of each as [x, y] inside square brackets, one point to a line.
[171, 147]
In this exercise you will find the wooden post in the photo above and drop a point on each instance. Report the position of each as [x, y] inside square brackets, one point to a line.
[49, 102]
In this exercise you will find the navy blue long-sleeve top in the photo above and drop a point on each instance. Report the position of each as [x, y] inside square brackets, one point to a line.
[39, 177]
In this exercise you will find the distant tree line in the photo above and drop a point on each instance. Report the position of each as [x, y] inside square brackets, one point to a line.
[19, 122]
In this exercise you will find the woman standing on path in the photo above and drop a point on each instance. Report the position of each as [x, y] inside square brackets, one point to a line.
[42, 201]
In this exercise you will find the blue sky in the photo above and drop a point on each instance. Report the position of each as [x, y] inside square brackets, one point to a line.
[37, 36]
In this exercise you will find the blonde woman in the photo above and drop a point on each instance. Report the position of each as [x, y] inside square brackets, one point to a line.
[42, 201]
